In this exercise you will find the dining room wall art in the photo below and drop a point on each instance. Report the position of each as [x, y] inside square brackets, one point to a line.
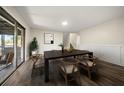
[48, 38]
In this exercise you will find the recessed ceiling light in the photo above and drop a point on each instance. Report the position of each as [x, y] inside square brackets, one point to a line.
[64, 23]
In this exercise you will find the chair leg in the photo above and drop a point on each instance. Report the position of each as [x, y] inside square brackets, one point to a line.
[96, 70]
[79, 78]
[40, 70]
[66, 80]
[89, 74]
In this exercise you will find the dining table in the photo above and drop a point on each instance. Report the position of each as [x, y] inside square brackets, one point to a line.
[56, 54]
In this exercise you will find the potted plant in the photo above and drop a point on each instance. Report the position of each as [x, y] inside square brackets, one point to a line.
[33, 46]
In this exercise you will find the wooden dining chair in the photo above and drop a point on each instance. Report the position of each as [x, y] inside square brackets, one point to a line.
[38, 64]
[69, 70]
[88, 63]
[9, 59]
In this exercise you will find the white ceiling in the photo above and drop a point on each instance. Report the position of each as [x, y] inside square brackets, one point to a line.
[80, 17]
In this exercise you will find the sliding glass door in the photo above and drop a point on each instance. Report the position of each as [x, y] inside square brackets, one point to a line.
[12, 38]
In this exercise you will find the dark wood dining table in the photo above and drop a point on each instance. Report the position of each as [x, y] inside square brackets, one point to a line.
[54, 54]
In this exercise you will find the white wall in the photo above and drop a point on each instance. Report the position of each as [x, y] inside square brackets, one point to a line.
[39, 34]
[15, 14]
[105, 40]
[74, 39]
[66, 39]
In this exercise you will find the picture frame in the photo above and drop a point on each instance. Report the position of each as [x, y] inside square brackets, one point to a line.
[48, 38]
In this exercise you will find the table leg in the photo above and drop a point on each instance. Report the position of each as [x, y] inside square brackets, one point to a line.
[46, 70]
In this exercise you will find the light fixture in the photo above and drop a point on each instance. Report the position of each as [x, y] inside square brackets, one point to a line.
[64, 23]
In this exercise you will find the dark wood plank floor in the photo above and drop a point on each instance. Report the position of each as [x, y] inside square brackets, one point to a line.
[108, 75]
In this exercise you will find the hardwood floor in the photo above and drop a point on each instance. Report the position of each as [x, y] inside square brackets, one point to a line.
[110, 74]
[107, 75]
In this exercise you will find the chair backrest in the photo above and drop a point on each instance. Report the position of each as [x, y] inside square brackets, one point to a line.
[68, 67]
[10, 57]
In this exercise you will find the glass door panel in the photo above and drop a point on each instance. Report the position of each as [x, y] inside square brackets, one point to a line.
[7, 55]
